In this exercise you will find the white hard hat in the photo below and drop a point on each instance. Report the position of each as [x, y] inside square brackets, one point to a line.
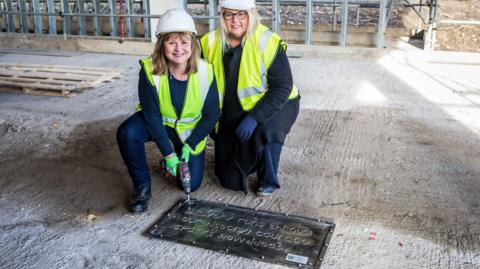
[237, 4]
[175, 20]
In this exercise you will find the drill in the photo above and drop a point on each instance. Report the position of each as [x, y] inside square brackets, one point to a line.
[184, 176]
[183, 173]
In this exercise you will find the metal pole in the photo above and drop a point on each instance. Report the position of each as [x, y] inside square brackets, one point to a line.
[10, 21]
[415, 10]
[23, 18]
[82, 20]
[97, 21]
[434, 26]
[146, 21]
[212, 11]
[64, 6]
[52, 19]
[113, 19]
[343, 33]
[357, 21]
[334, 23]
[131, 20]
[429, 36]
[382, 17]
[276, 16]
[67, 20]
[419, 23]
[308, 23]
[1, 17]
[37, 18]
[389, 11]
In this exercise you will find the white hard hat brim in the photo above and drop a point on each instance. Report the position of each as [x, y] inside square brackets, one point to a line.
[238, 5]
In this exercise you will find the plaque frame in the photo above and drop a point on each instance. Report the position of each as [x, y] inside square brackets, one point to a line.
[201, 231]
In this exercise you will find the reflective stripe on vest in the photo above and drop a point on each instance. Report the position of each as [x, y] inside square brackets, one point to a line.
[197, 89]
[211, 38]
[257, 56]
[246, 92]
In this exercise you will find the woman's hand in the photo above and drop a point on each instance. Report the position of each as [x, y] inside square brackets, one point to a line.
[186, 150]
[245, 128]
[172, 162]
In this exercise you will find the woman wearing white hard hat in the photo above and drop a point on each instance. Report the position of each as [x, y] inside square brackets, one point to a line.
[179, 107]
[259, 101]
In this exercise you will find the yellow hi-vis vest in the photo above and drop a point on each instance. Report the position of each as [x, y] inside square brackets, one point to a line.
[197, 90]
[257, 57]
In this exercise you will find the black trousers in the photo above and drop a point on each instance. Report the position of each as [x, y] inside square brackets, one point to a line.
[266, 169]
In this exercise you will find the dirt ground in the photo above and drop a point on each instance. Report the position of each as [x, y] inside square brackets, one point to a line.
[385, 142]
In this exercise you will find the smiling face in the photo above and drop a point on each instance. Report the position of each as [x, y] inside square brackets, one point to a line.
[236, 22]
[178, 48]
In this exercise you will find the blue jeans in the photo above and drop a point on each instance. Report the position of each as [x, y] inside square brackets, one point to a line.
[132, 136]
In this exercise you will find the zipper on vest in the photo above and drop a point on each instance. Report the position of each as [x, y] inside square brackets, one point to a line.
[184, 102]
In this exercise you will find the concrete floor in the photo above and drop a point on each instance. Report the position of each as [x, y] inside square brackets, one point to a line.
[385, 142]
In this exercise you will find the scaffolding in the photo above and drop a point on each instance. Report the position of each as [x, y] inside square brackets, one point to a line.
[131, 18]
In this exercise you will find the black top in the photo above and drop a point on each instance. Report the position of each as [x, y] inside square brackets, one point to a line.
[151, 111]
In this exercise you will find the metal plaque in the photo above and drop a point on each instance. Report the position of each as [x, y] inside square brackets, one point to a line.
[272, 237]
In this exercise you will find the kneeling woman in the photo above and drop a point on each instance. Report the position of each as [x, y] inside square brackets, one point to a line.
[179, 106]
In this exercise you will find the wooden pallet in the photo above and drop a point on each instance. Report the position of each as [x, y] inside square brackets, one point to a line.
[52, 80]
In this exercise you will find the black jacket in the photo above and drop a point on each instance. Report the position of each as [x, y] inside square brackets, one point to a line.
[274, 113]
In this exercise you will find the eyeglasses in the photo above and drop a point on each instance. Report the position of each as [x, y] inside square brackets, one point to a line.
[228, 16]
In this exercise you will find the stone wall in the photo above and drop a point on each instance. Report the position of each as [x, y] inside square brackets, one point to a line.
[458, 37]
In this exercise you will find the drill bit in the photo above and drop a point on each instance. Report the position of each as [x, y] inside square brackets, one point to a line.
[188, 198]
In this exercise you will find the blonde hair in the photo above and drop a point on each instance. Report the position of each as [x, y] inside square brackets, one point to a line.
[253, 21]
[160, 61]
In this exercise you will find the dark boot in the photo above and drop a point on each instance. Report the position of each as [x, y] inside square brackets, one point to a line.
[139, 203]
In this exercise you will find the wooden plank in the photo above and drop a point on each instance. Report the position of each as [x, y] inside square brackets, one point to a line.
[36, 80]
[40, 92]
[61, 67]
[83, 74]
[53, 79]
[46, 74]
[37, 85]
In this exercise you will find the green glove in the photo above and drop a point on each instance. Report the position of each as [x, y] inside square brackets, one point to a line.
[172, 162]
[186, 150]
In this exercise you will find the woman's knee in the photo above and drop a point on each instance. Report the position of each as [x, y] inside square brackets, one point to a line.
[197, 167]
[128, 131]
[196, 181]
